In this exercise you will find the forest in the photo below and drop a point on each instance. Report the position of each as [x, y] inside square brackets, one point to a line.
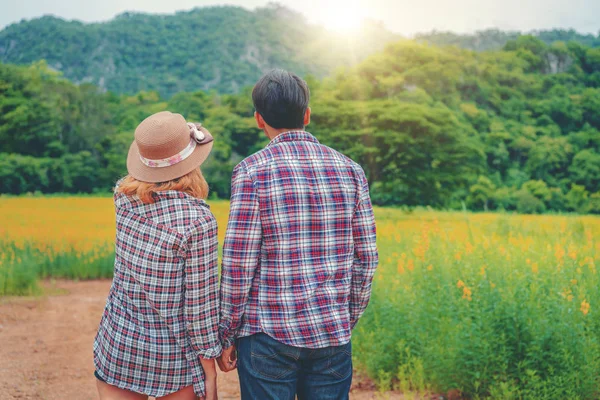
[510, 129]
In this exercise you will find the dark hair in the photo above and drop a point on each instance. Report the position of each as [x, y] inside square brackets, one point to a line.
[281, 98]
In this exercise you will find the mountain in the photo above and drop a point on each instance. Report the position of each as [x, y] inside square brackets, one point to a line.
[222, 48]
[213, 48]
[494, 39]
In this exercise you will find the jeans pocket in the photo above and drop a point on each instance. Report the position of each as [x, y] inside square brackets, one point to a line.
[271, 358]
[340, 361]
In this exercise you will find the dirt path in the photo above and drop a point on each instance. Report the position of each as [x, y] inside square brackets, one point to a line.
[46, 345]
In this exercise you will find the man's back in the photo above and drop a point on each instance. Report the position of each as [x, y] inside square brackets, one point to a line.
[302, 237]
[299, 256]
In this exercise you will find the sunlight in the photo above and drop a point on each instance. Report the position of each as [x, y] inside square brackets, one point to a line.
[343, 19]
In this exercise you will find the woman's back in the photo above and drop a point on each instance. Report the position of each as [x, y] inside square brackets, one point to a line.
[163, 249]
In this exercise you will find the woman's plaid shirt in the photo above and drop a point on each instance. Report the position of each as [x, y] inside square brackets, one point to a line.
[299, 253]
[162, 309]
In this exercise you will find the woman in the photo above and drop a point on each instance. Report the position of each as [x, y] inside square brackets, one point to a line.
[158, 335]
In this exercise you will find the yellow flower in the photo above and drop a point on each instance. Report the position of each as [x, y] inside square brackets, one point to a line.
[467, 293]
[460, 284]
[430, 267]
[401, 269]
[573, 254]
[411, 265]
[482, 271]
[458, 256]
[468, 248]
[573, 282]
[534, 268]
[585, 307]
[567, 294]
[420, 251]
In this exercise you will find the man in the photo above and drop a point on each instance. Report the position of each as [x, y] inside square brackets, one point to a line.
[299, 256]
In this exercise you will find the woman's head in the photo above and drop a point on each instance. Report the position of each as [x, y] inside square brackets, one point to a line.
[166, 155]
[192, 183]
[166, 147]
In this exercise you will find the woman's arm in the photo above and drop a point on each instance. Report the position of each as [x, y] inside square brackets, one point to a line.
[201, 308]
[210, 378]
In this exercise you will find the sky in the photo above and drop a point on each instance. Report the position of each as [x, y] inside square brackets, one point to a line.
[406, 17]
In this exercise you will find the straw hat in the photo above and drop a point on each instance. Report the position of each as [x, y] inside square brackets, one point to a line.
[166, 147]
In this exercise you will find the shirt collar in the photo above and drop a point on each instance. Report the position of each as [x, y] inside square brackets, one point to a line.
[293, 136]
[125, 201]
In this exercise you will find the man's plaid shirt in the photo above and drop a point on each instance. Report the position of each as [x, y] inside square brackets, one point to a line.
[299, 253]
[162, 309]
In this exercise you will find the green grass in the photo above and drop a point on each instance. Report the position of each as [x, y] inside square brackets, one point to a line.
[23, 267]
[494, 309]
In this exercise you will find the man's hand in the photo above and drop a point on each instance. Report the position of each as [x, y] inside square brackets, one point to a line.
[228, 360]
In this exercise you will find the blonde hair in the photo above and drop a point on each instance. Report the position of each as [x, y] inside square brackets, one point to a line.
[192, 183]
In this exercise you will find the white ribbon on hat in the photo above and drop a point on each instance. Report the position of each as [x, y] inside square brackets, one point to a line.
[197, 136]
[196, 133]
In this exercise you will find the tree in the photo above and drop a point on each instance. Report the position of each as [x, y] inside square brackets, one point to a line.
[549, 159]
[577, 199]
[590, 104]
[594, 205]
[585, 169]
[527, 203]
[481, 193]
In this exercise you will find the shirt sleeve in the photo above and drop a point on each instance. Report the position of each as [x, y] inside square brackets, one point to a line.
[241, 254]
[201, 307]
[366, 257]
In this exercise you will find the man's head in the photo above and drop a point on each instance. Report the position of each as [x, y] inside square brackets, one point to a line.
[281, 102]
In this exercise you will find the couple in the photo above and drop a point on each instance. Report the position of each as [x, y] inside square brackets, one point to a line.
[298, 262]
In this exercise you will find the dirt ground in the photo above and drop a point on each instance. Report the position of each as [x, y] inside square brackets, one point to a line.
[46, 345]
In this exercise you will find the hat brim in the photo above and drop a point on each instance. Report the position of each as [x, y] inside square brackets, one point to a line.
[140, 171]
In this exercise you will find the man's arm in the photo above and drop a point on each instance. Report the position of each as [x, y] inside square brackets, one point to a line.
[241, 253]
[366, 257]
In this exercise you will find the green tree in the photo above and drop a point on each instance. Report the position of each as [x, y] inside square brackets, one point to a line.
[578, 199]
[481, 193]
[585, 169]
[527, 203]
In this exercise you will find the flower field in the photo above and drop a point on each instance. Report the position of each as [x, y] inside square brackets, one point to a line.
[480, 305]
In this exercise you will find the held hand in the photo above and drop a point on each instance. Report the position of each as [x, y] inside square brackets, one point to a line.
[228, 360]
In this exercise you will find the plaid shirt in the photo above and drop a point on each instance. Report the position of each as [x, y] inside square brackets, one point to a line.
[162, 309]
[299, 253]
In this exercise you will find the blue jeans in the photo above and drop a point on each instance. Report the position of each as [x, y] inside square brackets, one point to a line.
[270, 370]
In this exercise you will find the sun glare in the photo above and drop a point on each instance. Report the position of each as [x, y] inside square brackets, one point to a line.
[343, 19]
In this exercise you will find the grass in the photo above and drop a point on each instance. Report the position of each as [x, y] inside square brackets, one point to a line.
[487, 305]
